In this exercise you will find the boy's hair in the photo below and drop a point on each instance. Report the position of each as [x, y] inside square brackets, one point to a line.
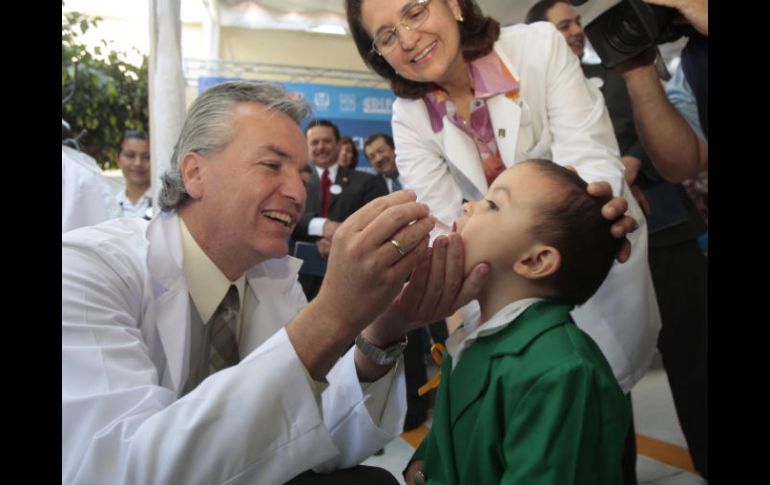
[572, 222]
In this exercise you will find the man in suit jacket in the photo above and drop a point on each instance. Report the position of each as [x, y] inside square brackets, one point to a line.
[349, 190]
[678, 266]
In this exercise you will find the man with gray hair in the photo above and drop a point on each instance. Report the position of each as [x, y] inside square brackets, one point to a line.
[189, 352]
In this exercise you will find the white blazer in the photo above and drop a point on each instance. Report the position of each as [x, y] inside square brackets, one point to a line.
[558, 116]
[86, 196]
[125, 358]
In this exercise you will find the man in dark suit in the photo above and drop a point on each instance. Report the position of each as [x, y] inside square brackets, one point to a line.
[333, 193]
[678, 266]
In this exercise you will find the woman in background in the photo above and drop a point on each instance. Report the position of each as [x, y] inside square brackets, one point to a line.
[348, 157]
[134, 162]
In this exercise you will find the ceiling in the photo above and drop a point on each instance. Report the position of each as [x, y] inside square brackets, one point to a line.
[310, 13]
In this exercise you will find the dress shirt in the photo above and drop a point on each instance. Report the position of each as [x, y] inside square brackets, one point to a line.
[316, 225]
[140, 209]
[464, 336]
[389, 182]
[680, 94]
[488, 76]
[208, 286]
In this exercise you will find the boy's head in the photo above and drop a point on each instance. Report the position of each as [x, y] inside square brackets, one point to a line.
[539, 223]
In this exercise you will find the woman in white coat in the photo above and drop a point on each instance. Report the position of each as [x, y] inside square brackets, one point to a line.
[474, 99]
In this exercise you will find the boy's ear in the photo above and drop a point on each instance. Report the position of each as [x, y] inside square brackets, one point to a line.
[538, 262]
[193, 167]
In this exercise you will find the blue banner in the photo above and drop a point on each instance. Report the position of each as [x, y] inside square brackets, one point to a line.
[358, 112]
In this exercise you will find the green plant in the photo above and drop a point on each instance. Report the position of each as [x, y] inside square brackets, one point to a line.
[110, 94]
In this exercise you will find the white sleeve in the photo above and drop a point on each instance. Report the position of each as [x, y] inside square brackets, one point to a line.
[87, 197]
[362, 419]
[579, 122]
[424, 168]
[257, 422]
[316, 226]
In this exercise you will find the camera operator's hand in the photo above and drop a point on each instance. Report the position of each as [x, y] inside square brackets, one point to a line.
[695, 11]
[643, 62]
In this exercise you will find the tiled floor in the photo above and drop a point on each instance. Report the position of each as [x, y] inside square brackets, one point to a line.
[662, 458]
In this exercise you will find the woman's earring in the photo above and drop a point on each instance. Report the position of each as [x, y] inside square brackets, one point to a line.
[460, 18]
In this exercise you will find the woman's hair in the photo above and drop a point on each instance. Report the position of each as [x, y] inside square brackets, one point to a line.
[478, 35]
[129, 134]
[209, 127]
[346, 140]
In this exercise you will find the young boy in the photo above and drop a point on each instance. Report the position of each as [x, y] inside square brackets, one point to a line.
[527, 398]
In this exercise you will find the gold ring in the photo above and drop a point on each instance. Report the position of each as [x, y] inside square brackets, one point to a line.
[398, 247]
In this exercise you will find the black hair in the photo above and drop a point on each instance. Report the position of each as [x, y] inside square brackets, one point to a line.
[372, 138]
[319, 122]
[132, 134]
[538, 11]
[572, 222]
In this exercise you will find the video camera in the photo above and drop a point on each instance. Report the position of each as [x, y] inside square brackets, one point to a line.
[629, 27]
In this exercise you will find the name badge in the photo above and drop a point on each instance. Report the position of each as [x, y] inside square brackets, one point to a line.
[335, 189]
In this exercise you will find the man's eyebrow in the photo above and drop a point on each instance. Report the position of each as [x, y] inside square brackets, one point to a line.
[278, 151]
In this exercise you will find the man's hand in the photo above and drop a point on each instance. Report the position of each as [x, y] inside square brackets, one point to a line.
[324, 246]
[695, 11]
[643, 62]
[330, 227]
[436, 289]
[364, 274]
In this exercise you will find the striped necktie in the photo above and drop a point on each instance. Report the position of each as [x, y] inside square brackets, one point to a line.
[396, 184]
[223, 350]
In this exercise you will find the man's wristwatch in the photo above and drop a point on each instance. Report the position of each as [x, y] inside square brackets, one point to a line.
[380, 356]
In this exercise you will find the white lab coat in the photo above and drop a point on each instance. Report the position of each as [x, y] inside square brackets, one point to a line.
[561, 117]
[125, 357]
[86, 196]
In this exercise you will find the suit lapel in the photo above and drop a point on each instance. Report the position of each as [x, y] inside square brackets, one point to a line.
[505, 115]
[470, 377]
[172, 308]
[464, 155]
[313, 189]
[343, 180]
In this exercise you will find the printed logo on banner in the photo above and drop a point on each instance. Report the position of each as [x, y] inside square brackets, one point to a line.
[322, 101]
[377, 105]
[348, 103]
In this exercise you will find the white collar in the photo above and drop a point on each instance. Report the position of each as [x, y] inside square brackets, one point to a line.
[332, 172]
[207, 284]
[463, 337]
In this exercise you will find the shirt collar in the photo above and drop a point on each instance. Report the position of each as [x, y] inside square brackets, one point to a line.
[332, 171]
[463, 337]
[207, 284]
[122, 197]
[489, 76]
